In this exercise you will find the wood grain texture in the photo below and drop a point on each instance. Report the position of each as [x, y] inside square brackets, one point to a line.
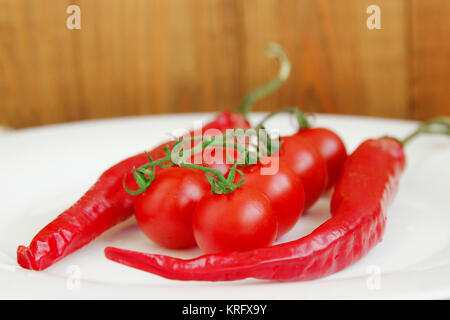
[134, 57]
[430, 78]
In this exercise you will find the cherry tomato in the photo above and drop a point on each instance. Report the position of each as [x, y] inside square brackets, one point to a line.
[283, 188]
[164, 211]
[237, 221]
[331, 148]
[306, 161]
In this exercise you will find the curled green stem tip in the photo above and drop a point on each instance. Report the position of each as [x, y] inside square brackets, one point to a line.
[273, 50]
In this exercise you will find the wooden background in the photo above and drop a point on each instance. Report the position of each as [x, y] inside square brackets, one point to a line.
[161, 56]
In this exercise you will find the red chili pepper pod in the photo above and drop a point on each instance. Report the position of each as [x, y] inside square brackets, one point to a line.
[367, 190]
[104, 205]
[367, 184]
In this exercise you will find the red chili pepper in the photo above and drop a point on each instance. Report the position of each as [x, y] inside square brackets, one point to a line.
[368, 182]
[99, 209]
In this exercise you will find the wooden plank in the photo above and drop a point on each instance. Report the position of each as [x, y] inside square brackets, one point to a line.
[152, 56]
[430, 46]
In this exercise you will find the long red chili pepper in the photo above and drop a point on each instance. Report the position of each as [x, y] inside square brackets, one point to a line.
[106, 203]
[368, 182]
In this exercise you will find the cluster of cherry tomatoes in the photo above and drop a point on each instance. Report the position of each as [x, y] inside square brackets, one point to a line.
[179, 210]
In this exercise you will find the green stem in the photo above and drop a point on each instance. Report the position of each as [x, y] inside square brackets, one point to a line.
[219, 184]
[196, 149]
[216, 172]
[156, 162]
[219, 141]
[300, 117]
[222, 185]
[438, 125]
[273, 50]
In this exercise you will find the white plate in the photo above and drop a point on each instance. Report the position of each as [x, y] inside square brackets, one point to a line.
[44, 170]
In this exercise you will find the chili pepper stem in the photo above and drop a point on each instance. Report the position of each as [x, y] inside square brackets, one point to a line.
[438, 125]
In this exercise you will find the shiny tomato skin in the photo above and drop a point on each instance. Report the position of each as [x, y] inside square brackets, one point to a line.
[330, 147]
[305, 160]
[283, 188]
[164, 211]
[237, 221]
